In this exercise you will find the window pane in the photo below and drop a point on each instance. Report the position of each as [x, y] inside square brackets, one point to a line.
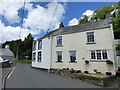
[39, 56]
[59, 56]
[93, 56]
[98, 54]
[90, 37]
[34, 55]
[34, 46]
[40, 44]
[59, 40]
[72, 56]
[104, 53]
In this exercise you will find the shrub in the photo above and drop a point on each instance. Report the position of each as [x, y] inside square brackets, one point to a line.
[109, 62]
[86, 61]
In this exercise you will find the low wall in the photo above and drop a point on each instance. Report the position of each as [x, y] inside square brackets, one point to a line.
[95, 80]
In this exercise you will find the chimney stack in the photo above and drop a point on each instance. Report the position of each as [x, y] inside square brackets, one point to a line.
[61, 25]
[7, 46]
[107, 15]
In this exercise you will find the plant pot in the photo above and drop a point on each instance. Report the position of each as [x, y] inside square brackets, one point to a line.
[108, 73]
[72, 71]
[86, 72]
[78, 71]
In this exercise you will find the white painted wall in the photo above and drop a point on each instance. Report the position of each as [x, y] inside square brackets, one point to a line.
[104, 39]
[46, 54]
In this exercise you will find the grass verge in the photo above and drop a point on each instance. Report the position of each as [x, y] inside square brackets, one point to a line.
[21, 62]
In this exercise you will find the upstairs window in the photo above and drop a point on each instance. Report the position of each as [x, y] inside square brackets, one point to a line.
[99, 55]
[59, 41]
[34, 46]
[40, 45]
[34, 56]
[59, 56]
[72, 56]
[39, 56]
[90, 37]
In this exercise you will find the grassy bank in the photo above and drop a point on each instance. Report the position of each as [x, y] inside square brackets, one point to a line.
[21, 62]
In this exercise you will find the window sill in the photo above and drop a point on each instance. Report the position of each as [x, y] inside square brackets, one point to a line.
[90, 43]
[59, 45]
[59, 61]
[72, 62]
[98, 60]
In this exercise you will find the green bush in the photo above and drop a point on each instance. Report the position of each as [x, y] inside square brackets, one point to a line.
[86, 61]
[109, 62]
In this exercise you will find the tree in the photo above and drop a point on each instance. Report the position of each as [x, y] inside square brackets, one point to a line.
[23, 47]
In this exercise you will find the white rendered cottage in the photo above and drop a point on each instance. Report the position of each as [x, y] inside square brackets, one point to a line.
[69, 47]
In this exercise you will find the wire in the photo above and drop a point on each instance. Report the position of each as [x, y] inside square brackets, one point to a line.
[53, 16]
[22, 18]
[20, 27]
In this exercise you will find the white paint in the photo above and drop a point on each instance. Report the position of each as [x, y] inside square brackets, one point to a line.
[46, 54]
[11, 72]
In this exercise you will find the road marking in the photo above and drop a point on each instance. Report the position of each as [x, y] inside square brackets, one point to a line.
[11, 72]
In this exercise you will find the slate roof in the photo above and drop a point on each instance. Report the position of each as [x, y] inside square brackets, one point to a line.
[81, 27]
[6, 52]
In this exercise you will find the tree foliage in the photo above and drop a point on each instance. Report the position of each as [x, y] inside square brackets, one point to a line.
[24, 47]
[99, 14]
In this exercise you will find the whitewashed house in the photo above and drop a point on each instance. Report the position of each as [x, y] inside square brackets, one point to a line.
[69, 47]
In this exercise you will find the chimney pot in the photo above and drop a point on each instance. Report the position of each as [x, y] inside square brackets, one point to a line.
[61, 25]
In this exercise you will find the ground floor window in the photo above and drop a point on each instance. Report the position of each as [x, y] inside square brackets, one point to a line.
[34, 56]
[59, 56]
[99, 55]
[39, 56]
[72, 56]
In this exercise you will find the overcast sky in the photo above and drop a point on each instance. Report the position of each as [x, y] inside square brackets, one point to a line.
[38, 16]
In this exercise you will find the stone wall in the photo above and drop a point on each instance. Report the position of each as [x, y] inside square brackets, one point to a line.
[95, 80]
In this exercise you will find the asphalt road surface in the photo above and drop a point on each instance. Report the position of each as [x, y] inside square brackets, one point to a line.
[24, 76]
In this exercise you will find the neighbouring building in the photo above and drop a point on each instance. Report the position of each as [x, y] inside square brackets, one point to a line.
[69, 47]
[117, 42]
[6, 54]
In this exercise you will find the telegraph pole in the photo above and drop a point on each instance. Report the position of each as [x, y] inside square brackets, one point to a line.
[20, 28]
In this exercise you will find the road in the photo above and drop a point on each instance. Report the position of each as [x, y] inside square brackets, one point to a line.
[24, 76]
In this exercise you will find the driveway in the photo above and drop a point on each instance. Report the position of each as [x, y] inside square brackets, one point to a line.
[24, 76]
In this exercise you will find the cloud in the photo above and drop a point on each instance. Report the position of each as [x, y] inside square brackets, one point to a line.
[40, 17]
[74, 21]
[88, 12]
[9, 33]
[10, 10]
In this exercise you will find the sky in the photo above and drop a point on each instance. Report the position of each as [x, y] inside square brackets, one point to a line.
[38, 16]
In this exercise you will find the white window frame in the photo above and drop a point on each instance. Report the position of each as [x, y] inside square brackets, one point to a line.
[34, 46]
[38, 57]
[76, 55]
[87, 37]
[57, 40]
[57, 56]
[101, 56]
[39, 45]
[33, 56]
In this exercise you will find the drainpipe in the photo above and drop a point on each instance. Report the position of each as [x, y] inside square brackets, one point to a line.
[114, 50]
[51, 56]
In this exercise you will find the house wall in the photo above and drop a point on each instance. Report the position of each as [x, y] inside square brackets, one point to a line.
[46, 54]
[104, 39]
